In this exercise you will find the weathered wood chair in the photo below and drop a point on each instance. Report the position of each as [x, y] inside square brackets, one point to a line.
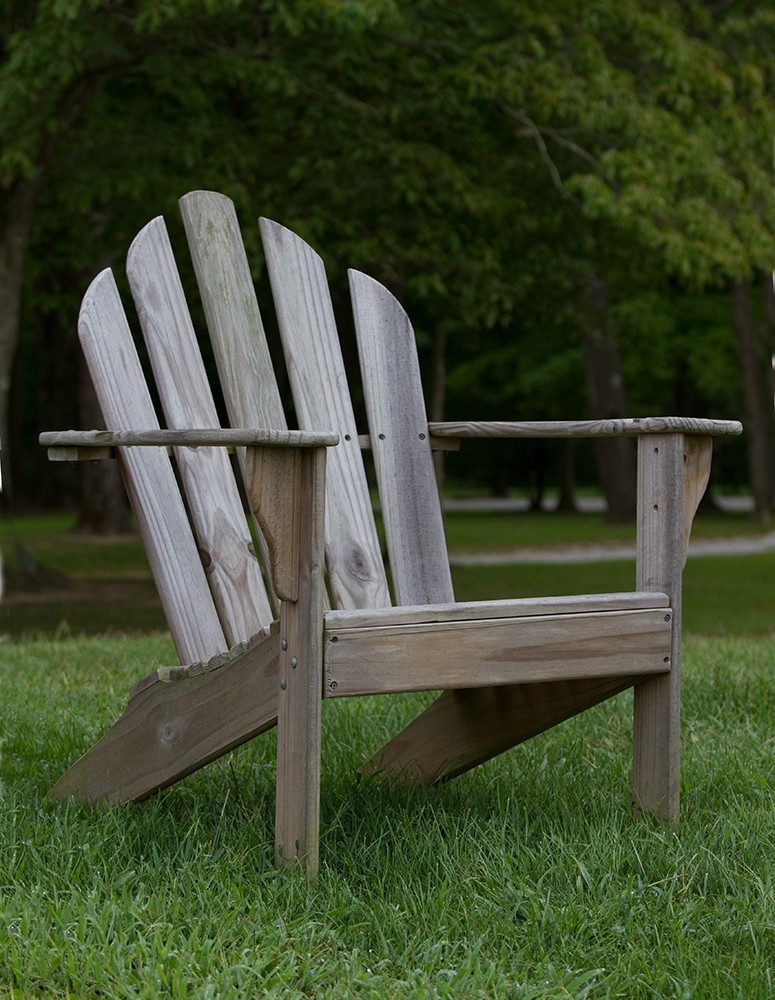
[508, 669]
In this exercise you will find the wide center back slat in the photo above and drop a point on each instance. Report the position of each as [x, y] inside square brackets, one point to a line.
[398, 427]
[321, 396]
[233, 318]
[208, 481]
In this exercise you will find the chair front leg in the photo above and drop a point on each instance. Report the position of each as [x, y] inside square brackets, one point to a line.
[673, 471]
[287, 492]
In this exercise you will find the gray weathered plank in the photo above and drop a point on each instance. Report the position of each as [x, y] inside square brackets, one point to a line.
[632, 427]
[161, 516]
[464, 611]
[462, 729]
[672, 475]
[322, 401]
[171, 728]
[193, 438]
[500, 651]
[233, 318]
[217, 514]
[402, 455]
[301, 655]
[321, 396]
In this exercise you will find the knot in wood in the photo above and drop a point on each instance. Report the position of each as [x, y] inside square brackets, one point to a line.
[358, 563]
[207, 559]
[169, 733]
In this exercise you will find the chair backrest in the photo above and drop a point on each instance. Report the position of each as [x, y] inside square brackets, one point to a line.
[212, 588]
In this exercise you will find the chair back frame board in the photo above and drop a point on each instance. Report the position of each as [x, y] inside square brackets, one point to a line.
[271, 614]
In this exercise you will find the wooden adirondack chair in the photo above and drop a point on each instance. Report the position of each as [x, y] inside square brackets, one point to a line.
[507, 669]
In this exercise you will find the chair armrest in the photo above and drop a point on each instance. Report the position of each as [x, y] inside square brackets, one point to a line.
[634, 427]
[67, 445]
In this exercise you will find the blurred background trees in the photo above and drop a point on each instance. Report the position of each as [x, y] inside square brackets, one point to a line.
[574, 203]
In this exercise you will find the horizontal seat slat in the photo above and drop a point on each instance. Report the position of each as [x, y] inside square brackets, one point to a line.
[472, 610]
[498, 651]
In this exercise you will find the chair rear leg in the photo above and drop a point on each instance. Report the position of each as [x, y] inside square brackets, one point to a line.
[461, 729]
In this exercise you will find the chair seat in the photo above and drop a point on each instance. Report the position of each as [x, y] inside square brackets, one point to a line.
[476, 644]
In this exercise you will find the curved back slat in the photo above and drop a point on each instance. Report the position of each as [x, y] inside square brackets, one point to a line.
[153, 491]
[213, 499]
[321, 396]
[234, 322]
[402, 454]
[233, 318]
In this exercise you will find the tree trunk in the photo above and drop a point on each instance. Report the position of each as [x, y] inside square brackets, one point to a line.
[755, 347]
[103, 507]
[566, 479]
[16, 211]
[439, 392]
[615, 457]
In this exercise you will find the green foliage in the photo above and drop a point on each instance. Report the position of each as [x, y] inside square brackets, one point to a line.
[482, 160]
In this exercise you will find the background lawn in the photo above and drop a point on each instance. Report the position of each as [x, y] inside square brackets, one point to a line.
[106, 584]
[524, 878]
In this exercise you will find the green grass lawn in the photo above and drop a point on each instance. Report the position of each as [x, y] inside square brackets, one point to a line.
[526, 878]
[493, 531]
[113, 591]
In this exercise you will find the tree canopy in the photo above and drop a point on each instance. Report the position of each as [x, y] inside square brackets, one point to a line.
[494, 163]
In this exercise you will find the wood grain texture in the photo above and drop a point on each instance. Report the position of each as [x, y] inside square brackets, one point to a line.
[213, 500]
[437, 443]
[426, 614]
[273, 485]
[462, 729]
[315, 366]
[161, 516]
[499, 651]
[170, 729]
[301, 677]
[585, 428]
[661, 553]
[233, 318]
[192, 438]
[698, 452]
[402, 455]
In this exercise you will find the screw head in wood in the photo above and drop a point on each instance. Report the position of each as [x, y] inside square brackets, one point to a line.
[283, 684]
[294, 663]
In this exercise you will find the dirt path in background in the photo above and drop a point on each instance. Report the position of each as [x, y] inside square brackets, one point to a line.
[611, 551]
